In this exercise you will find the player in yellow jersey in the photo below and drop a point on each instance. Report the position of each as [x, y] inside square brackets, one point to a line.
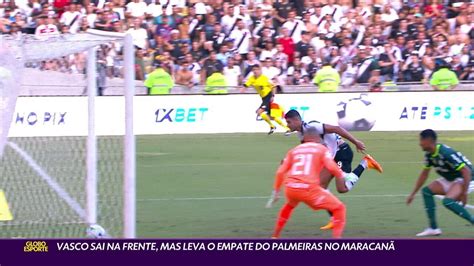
[265, 88]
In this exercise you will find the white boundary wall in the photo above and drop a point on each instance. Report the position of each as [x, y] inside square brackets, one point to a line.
[391, 111]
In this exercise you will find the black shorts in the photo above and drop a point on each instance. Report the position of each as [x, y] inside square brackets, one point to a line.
[266, 101]
[344, 157]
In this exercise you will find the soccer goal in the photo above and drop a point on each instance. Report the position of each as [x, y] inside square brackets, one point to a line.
[56, 186]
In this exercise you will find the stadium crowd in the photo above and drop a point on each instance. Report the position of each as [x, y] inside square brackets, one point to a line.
[367, 41]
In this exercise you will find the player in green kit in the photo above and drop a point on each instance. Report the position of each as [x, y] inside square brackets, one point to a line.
[455, 182]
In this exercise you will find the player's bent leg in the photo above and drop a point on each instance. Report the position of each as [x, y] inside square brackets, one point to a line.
[293, 197]
[280, 122]
[264, 115]
[322, 199]
[339, 220]
[428, 192]
[343, 159]
[450, 201]
[283, 216]
[325, 178]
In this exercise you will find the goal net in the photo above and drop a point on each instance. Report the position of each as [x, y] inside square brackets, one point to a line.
[53, 185]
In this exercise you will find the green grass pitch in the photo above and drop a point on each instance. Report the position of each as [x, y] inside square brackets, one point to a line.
[216, 186]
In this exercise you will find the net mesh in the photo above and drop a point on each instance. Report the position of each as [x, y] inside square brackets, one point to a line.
[39, 198]
[44, 178]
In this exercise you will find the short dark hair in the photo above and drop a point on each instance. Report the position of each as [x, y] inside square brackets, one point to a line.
[428, 134]
[293, 114]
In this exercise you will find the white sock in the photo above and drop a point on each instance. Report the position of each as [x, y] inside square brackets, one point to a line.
[351, 180]
[364, 163]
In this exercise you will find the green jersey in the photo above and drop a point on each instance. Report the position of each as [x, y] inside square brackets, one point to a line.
[447, 162]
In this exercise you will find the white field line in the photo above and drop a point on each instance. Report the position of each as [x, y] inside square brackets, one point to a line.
[266, 197]
[50, 181]
[152, 153]
[246, 164]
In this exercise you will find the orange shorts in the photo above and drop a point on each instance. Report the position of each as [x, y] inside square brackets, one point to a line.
[314, 196]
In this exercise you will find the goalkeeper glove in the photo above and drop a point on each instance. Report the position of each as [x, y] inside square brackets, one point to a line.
[273, 199]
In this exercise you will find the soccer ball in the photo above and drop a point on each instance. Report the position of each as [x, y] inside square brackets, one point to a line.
[356, 113]
[96, 231]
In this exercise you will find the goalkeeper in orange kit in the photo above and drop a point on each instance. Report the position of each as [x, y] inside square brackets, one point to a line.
[300, 172]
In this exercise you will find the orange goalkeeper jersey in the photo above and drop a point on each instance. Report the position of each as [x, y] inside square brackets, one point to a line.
[304, 163]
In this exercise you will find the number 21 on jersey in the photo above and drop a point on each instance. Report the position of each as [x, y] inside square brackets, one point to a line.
[302, 165]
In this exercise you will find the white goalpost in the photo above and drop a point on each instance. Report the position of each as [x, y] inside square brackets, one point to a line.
[52, 165]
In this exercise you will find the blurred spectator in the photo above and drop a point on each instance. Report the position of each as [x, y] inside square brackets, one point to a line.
[270, 71]
[368, 67]
[211, 65]
[101, 69]
[249, 63]
[228, 21]
[242, 38]
[303, 45]
[194, 67]
[456, 65]
[349, 73]
[388, 63]
[184, 76]
[268, 51]
[282, 9]
[46, 27]
[139, 34]
[136, 9]
[224, 54]
[287, 43]
[333, 10]
[71, 17]
[413, 69]
[295, 26]
[232, 73]
[297, 74]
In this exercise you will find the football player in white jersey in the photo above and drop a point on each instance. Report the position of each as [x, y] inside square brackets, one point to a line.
[333, 137]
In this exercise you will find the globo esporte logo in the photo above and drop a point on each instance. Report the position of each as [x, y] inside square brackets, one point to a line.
[180, 115]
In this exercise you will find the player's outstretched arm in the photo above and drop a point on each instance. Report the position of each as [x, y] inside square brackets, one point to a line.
[419, 183]
[279, 178]
[345, 134]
